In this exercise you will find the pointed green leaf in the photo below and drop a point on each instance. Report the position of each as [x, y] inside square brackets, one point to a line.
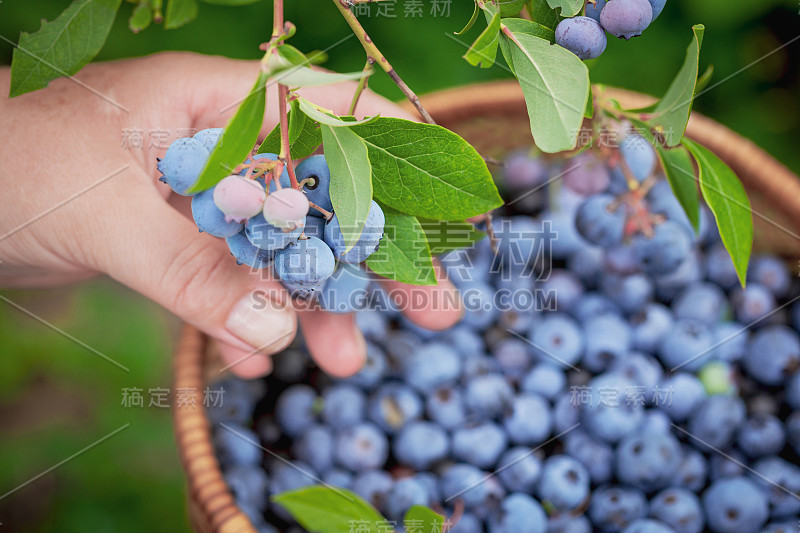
[444, 236]
[179, 13]
[304, 141]
[672, 112]
[703, 80]
[423, 520]
[351, 180]
[404, 254]
[326, 509]
[472, 20]
[296, 122]
[241, 133]
[484, 49]
[726, 197]
[510, 8]
[427, 170]
[568, 8]
[555, 84]
[325, 116]
[589, 111]
[61, 47]
[523, 26]
[542, 13]
[141, 17]
[679, 170]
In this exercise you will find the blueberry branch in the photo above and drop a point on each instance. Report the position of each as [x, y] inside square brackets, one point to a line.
[377, 57]
[362, 84]
[283, 95]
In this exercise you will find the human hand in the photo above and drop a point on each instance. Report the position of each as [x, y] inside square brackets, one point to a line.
[78, 202]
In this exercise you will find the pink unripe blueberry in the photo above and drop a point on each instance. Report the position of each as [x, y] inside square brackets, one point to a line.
[239, 198]
[286, 209]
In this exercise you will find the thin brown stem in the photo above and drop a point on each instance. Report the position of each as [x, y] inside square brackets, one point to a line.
[328, 214]
[286, 152]
[362, 84]
[376, 55]
[277, 18]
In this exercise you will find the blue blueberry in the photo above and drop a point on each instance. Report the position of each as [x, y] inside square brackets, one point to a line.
[467, 523]
[779, 480]
[588, 264]
[649, 326]
[519, 242]
[648, 461]
[664, 252]
[683, 394]
[647, 526]
[488, 395]
[343, 405]
[730, 341]
[630, 292]
[621, 259]
[296, 409]
[421, 444]
[431, 366]
[465, 482]
[315, 227]
[658, 7]
[374, 369]
[562, 287]
[480, 310]
[752, 303]
[643, 370]
[514, 357]
[687, 346]
[692, 471]
[361, 447]
[557, 339]
[544, 379]
[315, 447]
[210, 219]
[732, 464]
[346, 291]
[339, 478]
[704, 302]
[716, 421]
[518, 513]
[690, 270]
[305, 264]
[586, 174]
[626, 18]
[374, 325]
[596, 456]
[567, 523]
[611, 413]
[761, 434]
[720, 267]
[608, 338]
[522, 171]
[405, 493]
[565, 240]
[479, 445]
[445, 406]
[593, 10]
[249, 485]
[593, 304]
[564, 483]
[519, 469]
[788, 526]
[246, 253]
[393, 405]
[182, 164]
[209, 137]
[654, 421]
[566, 412]
[735, 505]
[613, 508]
[773, 354]
[367, 243]
[467, 342]
[268, 237]
[373, 486]
[793, 391]
[639, 155]
[598, 223]
[583, 36]
[771, 272]
[315, 173]
[287, 476]
[529, 421]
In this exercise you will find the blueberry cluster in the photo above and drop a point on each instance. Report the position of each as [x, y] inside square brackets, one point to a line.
[585, 36]
[593, 384]
[275, 228]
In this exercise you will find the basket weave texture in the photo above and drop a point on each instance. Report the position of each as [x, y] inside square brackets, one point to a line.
[491, 116]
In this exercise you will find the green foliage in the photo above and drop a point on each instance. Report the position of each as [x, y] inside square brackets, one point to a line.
[678, 168]
[672, 112]
[726, 197]
[179, 13]
[568, 8]
[444, 236]
[304, 139]
[427, 170]
[141, 17]
[423, 520]
[543, 14]
[484, 50]
[327, 117]
[61, 47]
[404, 254]
[351, 180]
[230, 2]
[509, 8]
[240, 135]
[327, 510]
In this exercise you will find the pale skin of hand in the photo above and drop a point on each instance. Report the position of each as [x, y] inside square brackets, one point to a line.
[59, 141]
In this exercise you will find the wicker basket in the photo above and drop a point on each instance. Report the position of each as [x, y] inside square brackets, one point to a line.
[493, 118]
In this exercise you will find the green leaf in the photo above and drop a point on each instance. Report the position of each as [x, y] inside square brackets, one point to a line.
[326, 116]
[327, 510]
[307, 77]
[555, 84]
[726, 197]
[589, 111]
[61, 47]
[230, 2]
[569, 8]
[703, 80]
[484, 50]
[404, 254]
[304, 142]
[179, 12]
[444, 236]
[542, 13]
[420, 519]
[509, 8]
[351, 180]
[140, 18]
[523, 26]
[678, 167]
[672, 112]
[472, 20]
[241, 133]
[427, 170]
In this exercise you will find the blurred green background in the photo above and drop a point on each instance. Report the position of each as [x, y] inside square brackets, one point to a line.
[57, 397]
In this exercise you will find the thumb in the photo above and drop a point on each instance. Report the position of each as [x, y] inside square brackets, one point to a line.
[158, 252]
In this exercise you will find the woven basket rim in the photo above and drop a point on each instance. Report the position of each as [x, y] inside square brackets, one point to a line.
[215, 509]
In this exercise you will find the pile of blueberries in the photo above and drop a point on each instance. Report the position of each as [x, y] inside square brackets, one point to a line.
[277, 228]
[585, 36]
[609, 374]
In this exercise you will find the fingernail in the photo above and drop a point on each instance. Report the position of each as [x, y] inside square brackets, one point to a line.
[266, 325]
